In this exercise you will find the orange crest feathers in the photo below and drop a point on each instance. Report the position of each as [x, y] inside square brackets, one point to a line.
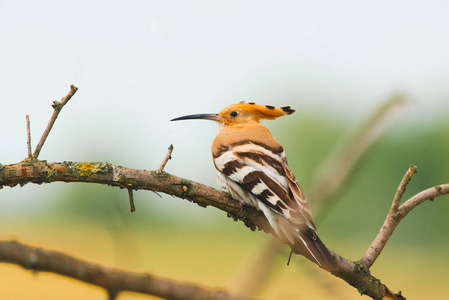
[259, 111]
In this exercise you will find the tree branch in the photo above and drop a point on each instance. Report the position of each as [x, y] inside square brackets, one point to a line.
[111, 279]
[28, 136]
[166, 158]
[356, 274]
[57, 106]
[105, 173]
[131, 200]
[398, 212]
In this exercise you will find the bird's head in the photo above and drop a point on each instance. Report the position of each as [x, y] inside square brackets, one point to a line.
[242, 113]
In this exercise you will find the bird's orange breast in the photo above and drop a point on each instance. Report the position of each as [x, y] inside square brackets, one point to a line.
[237, 135]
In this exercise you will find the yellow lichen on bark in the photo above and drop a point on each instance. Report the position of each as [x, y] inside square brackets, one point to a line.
[85, 168]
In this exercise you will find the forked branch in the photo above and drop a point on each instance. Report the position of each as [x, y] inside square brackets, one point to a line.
[398, 212]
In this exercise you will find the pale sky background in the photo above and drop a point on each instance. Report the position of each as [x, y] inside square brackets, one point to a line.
[139, 64]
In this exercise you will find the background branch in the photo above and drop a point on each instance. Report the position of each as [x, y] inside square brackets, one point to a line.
[336, 169]
[111, 279]
[398, 212]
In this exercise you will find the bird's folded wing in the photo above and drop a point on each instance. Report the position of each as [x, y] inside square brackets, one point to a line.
[267, 177]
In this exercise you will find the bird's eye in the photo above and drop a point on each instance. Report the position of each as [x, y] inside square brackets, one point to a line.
[234, 114]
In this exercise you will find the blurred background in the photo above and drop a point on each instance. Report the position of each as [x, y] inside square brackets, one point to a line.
[141, 63]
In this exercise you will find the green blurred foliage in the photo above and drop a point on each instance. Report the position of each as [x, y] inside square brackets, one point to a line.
[358, 210]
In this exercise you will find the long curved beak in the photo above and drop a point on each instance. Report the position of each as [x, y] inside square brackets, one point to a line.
[213, 117]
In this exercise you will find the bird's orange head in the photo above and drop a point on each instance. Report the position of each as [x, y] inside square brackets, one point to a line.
[243, 113]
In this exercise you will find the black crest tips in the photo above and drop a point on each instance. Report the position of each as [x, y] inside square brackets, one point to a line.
[288, 110]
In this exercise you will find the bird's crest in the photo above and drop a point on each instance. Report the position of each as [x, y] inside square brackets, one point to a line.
[258, 111]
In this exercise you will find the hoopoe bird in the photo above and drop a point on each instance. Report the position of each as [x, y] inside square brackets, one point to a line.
[253, 167]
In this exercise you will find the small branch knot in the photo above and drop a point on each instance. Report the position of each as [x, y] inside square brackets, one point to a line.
[56, 105]
[398, 216]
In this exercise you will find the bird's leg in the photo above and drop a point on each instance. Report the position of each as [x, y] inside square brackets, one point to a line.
[289, 258]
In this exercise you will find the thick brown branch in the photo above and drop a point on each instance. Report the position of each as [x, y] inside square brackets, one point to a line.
[398, 212]
[105, 173]
[360, 277]
[113, 280]
[57, 106]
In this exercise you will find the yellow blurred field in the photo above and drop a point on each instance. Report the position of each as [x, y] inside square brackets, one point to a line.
[214, 257]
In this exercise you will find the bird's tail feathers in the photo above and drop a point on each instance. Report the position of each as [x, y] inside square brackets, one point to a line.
[306, 241]
[315, 250]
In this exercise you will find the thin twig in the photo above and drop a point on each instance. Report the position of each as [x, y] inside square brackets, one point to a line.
[57, 106]
[421, 197]
[160, 196]
[167, 158]
[391, 221]
[396, 214]
[131, 200]
[401, 189]
[28, 136]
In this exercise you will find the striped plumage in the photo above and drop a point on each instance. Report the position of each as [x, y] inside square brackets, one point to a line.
[252, 166]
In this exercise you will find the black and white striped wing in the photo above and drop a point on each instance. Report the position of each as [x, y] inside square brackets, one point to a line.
[267, 177]
[262, 178]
